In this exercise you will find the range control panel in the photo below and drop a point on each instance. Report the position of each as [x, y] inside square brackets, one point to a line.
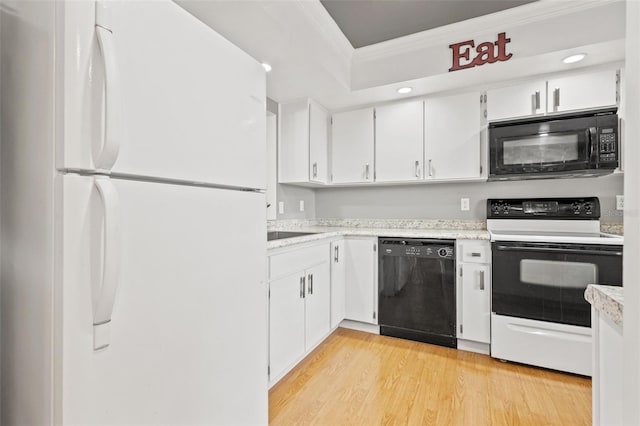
[544, 208]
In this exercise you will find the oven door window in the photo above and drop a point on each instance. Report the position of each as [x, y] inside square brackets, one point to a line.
[547, 281]
[546, 151]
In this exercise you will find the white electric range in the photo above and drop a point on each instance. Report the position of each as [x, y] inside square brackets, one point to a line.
[545, 253]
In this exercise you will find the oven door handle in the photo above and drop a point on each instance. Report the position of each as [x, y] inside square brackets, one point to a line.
[559, 250]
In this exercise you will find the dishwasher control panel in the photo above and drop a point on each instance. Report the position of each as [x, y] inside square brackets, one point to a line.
[413, 247]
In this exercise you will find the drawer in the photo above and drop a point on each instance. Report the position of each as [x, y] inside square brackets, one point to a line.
[298, 260]
[474, 251]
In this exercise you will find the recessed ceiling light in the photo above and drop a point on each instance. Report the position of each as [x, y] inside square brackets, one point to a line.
[266, 66]
[404, 90]
[574, 58]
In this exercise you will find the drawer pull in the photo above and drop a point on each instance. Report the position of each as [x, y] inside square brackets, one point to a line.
[475, 254]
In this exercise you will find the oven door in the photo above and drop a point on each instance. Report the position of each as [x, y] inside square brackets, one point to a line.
[547, 281]
[539, 148]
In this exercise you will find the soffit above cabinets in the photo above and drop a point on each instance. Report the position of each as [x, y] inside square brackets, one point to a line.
[311, 57]
[367, 22]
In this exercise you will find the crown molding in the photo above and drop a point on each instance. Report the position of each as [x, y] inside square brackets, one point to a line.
[318, 16]
[525, 14]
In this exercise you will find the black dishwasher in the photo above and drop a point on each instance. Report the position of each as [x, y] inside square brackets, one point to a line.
[416, 290]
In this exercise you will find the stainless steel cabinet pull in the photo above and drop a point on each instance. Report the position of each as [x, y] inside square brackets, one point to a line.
[303, 287]
[315, 170]
[301, 290]
[310, 283]
[481, 280]
[556, 98]
[474, 254]
[335, 254]
[536, 103]
[417, 169]
[430, 169]
[366, 171]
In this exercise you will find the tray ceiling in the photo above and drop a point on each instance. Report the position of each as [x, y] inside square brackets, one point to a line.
[366, 22]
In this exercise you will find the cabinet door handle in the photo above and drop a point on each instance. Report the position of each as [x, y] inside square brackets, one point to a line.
[481, 280]
[301, 289]
[536, 101]
[430, 168]
[556, 99]
[366, 171]
[304, 292]
[335, 254]
[417, 168]
[315, 170]
[475, 254]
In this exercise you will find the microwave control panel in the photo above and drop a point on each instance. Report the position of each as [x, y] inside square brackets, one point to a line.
[608, 145]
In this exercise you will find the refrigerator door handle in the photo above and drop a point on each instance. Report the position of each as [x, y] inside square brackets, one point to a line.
[112, 119]
[105, 294]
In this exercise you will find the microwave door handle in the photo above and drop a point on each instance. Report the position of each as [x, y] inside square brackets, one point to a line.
[559, 250]
[591, 132]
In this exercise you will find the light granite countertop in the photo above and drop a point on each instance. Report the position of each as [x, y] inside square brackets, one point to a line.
[322, 232]
[607, 299]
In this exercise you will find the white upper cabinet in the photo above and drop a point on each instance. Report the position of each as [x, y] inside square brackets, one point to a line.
[303, 143]
[399, 142]
[582, 91]
[318, 143]
[517, 101]
[453, 136]
[352, 146]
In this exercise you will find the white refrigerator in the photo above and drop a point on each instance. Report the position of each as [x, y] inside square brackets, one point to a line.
[133, 218]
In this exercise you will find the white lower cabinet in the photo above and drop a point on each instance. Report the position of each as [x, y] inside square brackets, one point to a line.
[299, 306]
[474, 295]
[338, 271]
[361, 276]
[608, 371]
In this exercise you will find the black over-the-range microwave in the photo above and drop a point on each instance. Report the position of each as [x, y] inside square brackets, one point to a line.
[566, 145]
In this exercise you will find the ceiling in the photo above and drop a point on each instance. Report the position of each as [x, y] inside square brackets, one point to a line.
[366, 22]
[312, 58]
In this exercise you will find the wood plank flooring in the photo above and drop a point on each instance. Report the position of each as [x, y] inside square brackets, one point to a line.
[356, 378]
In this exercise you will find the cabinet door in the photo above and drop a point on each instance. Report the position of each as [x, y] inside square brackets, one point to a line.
[286, 323]
[352, 146]
[517, 101]
[453, 136]
[337, 283]
[318, 304]
[318, 143]
[293, 142]
[474, 287]
[399, 142]
[361, 268]
[582, 91]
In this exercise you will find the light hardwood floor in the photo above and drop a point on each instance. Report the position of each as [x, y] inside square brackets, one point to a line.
[356, 378]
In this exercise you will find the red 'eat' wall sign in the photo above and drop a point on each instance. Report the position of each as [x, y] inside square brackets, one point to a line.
[486, 53]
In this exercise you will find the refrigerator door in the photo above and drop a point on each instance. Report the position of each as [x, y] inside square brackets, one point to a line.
[147, 89]
[187, 337]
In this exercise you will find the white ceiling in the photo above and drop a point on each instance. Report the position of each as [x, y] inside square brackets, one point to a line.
[311, 57]
[366, 22]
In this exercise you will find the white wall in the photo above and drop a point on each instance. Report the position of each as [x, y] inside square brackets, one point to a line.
[442, 201]
[27, 172]
[631, 278]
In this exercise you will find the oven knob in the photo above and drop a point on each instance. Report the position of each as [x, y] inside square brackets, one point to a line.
[587, 207]
[576, 207]
[442, 252]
